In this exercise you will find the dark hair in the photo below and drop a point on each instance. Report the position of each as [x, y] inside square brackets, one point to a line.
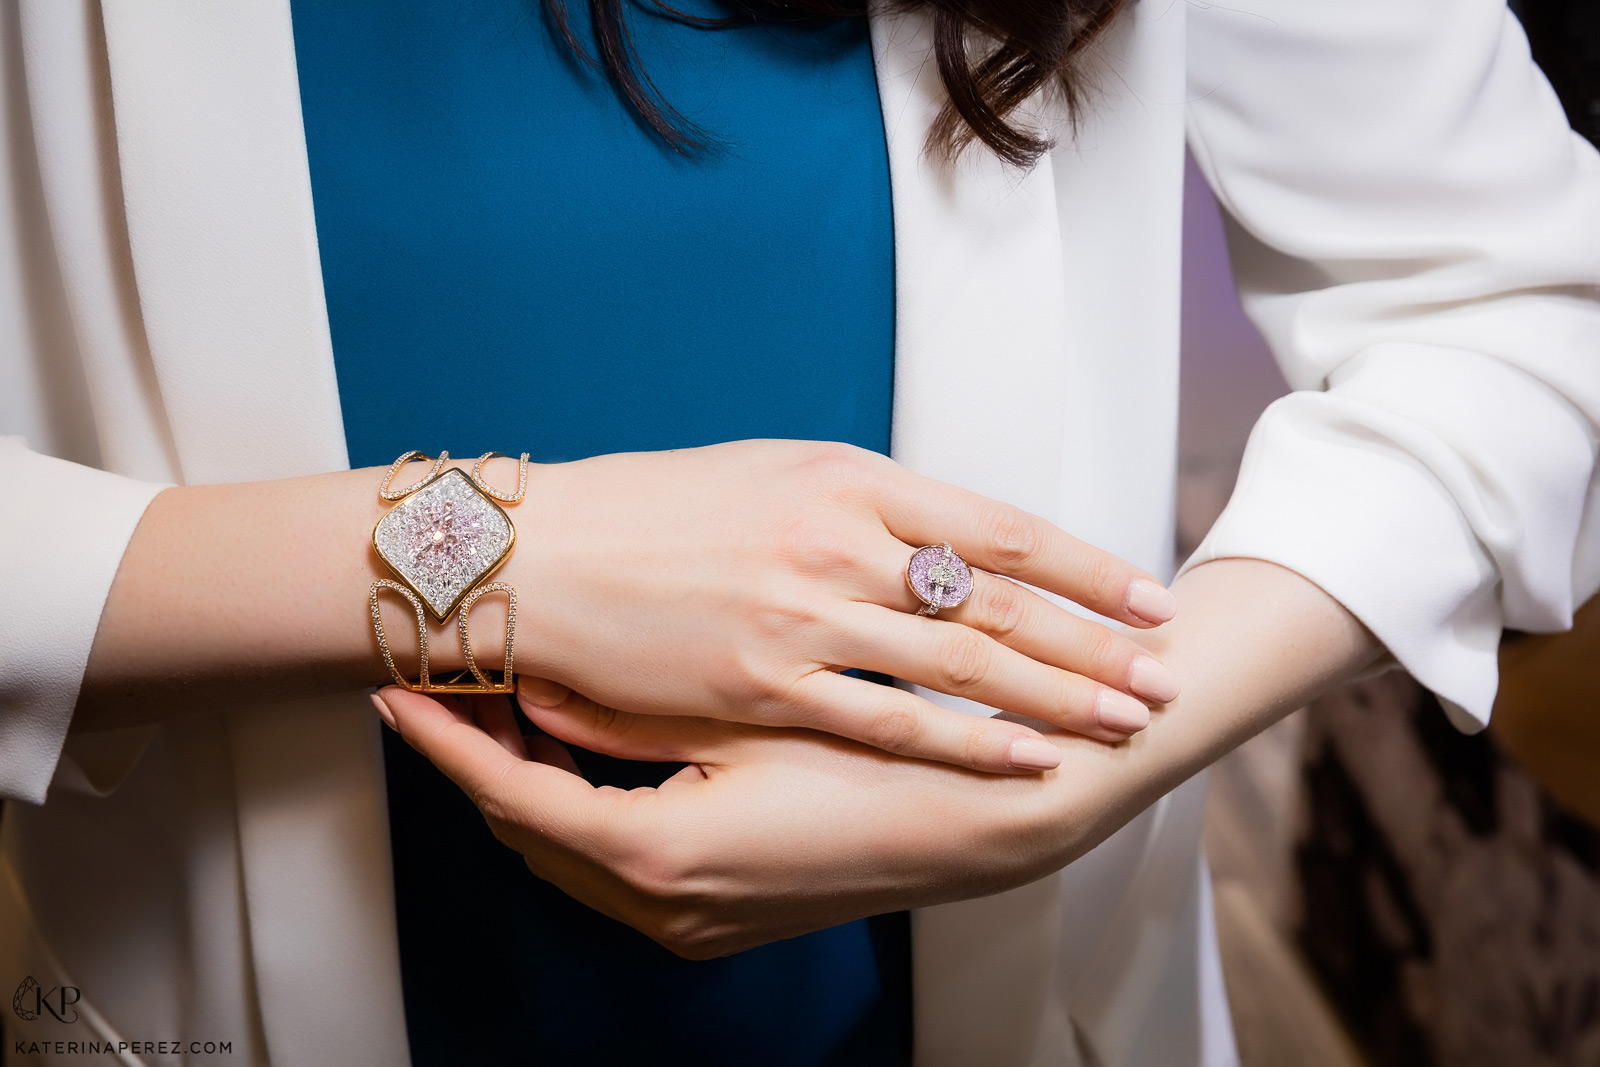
[1027, 45]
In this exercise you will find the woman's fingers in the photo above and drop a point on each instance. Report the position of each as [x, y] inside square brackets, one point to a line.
[521, 793]
[908, 725]
[494, 716]
[1022, 619]
[1010, 541]
[577, 720]
[963, 661]
[878, 715]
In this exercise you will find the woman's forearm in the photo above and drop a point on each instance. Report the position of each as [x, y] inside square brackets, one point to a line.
[726, 581]
[1252, 642]
[244, 592]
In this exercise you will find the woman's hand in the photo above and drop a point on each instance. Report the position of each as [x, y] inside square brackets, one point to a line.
[739, 580]
[770, 833]
[731, 581]
[766, 835]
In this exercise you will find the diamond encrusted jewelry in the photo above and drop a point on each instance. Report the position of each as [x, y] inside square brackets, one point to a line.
[444, 536]
[939, 577]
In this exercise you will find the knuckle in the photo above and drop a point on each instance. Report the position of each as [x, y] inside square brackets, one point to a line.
[1003, 608]
[684, 933]
[1109, 656]
[1105, 578]
[964, 658]
[896, 727]
[659, 874]
[492, 798]
[1077, 697]
[977, 746]
[754, 679]
[609, 722]
[813, 548]
[669, 902]
[838, 469]
[1014, 537]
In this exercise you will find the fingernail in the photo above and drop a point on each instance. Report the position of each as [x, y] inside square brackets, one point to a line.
[383, 711]
[1033, 754]
[1151, 601]
[1120, 712]
[1153, 680]
[541, 692]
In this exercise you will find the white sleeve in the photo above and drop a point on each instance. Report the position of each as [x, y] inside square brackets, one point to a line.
[1416, 232]
[63, 529]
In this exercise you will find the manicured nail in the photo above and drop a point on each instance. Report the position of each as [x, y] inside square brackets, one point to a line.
[541, 692]
[1153, 680]
[383, 711]
[1151, 601]
[1120, 712]
[1034, 754]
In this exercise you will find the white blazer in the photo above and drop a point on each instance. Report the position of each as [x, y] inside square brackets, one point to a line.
[1414, 229]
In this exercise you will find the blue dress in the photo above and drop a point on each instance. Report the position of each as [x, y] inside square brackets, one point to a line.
[513, 262]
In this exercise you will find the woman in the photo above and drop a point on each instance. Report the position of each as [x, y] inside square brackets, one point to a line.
[1415, 231]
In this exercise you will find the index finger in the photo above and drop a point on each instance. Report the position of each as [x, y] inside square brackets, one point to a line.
[547, 800]
[1007, 540]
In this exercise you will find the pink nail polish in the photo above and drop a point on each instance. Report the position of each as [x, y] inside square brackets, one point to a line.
[1033, 754]
[1151, 601]
[1152, 680]
[1120, 712]
[383, 711]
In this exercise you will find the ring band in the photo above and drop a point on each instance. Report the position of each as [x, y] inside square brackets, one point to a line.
[939, 577]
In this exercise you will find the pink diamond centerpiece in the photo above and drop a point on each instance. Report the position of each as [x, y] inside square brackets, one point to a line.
[939, 577]
[443, 539]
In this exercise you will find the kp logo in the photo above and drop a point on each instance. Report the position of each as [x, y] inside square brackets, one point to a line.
[32, 999]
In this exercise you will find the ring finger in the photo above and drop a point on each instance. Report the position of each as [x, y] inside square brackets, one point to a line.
[1021, 619]
[963, 661]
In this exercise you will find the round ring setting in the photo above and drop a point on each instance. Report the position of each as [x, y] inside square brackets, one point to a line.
[939, 577]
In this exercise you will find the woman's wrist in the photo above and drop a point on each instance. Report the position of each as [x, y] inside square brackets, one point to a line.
[1252, 641]
[252, 592]
[519, 490]
[236, 593]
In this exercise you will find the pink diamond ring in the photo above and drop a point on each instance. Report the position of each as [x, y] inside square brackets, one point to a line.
[939, 577]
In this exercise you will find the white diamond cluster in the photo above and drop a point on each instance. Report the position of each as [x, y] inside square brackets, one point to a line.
[443, 539]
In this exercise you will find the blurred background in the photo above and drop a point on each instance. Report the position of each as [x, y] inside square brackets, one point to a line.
[1389, 891]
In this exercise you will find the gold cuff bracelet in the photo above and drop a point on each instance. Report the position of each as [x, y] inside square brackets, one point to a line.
[444, 536]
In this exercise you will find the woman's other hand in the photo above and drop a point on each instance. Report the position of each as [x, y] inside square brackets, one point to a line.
[768, 834]
[739, 580]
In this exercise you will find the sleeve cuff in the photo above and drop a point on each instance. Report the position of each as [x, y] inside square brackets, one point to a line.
[1323, 493]
[63, 538]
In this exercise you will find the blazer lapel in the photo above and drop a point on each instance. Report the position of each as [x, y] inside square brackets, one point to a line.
[1018, 293]
[980, 376]
[980, 326]
[218, 197]
[213, 161]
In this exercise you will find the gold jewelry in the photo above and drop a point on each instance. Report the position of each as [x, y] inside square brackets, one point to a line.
[444, 536]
